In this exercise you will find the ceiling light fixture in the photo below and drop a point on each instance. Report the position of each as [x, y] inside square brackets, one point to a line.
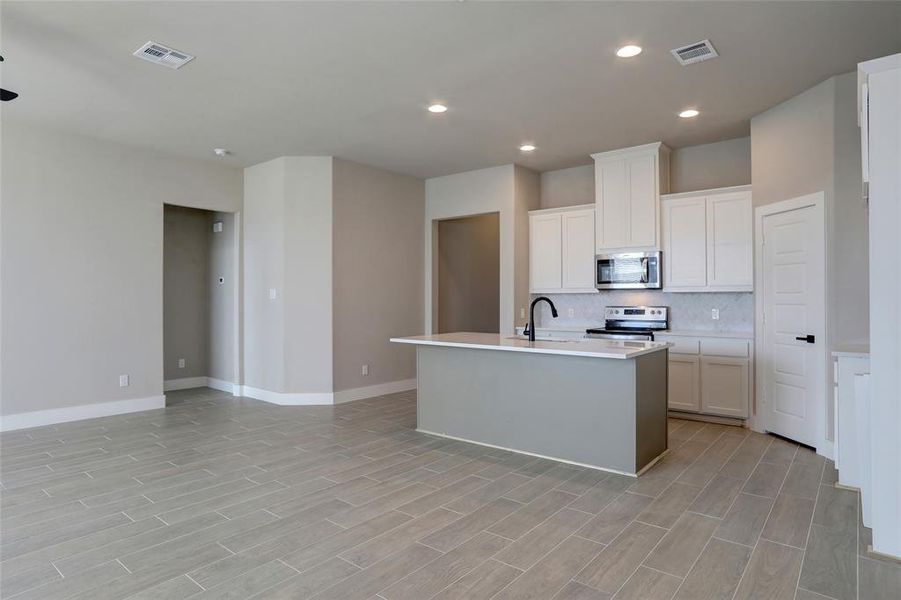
[689, 113]
[628, 51]
[221, 152]
[437, 108]
[527, 148]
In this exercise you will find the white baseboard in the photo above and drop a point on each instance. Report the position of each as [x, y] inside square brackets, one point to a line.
[371, 391]
[288, 399]
[224, 386]
[327, 398]
[78, 413]
[185, 383]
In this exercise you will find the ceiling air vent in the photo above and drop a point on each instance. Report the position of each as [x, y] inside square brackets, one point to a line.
[696, 52]
[162, 55]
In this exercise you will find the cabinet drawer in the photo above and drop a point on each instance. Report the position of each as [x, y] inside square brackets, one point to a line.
[725, 347]
[681, 345]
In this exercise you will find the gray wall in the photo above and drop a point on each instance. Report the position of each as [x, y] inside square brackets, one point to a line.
[510, 190]
[186, 315]
[222, 354]
[808, 144]
[719, 164]
[81, 243]
[469, 274]
[707, 166]
[378, 273]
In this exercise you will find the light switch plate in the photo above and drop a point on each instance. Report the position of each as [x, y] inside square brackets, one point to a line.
[272, 294]
[123, 380]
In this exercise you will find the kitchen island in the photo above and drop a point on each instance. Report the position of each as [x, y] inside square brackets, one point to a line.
[595, 403]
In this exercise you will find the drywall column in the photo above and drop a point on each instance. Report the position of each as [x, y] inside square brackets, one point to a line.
[308, 275]
[884, 81]
[288, 280]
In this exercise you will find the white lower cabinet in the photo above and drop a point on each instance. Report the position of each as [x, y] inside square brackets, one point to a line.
[725, 386]
[683, 390]
[709, 376]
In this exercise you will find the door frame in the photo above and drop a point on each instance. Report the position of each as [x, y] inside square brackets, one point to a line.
[758, 420]
[235, 387]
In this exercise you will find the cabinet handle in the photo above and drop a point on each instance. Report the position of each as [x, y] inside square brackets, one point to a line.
[809, 338]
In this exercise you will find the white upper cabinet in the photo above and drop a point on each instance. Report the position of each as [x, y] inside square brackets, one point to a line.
[628, 184]
[561, 250]
[578, 249]
[708, 241]
[730, 261]
[685, 243]
[545, 251]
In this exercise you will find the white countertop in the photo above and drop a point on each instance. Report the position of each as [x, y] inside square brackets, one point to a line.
[493, 341]
[740, 335]
[858, 350]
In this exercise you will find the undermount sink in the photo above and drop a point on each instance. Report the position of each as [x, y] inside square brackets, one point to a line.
[543, 339]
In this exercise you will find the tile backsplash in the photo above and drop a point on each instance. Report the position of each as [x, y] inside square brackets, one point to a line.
[688, 311]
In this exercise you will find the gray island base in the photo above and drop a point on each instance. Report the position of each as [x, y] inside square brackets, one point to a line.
[596, 403]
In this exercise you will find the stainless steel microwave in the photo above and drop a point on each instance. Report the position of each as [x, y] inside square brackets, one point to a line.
[628, 271]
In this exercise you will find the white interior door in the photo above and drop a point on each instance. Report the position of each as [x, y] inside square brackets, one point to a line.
[792, 275]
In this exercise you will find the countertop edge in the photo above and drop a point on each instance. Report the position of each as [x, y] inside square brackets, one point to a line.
[532, 350]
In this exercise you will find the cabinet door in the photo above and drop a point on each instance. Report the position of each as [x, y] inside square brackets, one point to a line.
[612, 203]
[682, 386]
[578, 250]
[685, 243]
[729, 240]
[643, 201]
[724, 386]
[545, 245]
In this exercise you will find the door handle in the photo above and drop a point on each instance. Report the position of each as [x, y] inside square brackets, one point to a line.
[810, 339]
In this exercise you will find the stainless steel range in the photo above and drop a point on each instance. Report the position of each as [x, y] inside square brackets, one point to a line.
[631, 323]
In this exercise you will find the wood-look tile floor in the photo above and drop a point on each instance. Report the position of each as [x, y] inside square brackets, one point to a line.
[217, 497]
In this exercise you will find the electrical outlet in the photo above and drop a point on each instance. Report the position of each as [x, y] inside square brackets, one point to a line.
[715, 314]
[522, 313]
[365, 370]
[181, 363]
[123, 380]
[571, 312]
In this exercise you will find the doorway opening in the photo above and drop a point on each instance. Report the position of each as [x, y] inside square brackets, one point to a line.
[200, 303]
[468, 291]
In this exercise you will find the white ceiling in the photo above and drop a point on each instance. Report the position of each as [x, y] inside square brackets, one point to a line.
[353, 79]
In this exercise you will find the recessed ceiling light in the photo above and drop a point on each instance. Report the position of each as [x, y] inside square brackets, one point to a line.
[527, 148]
[221, 152]
[628, 51]
[689, 113]
[437, 108]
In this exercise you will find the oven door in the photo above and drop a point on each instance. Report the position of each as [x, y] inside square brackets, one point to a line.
[634, 270]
